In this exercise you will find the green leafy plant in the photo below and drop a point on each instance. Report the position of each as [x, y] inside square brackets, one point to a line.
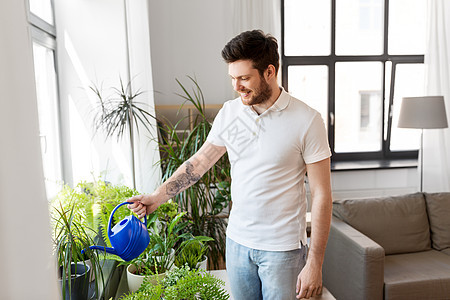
[70, 237]
[83, 206]
[120, 113]
[168, 240]
[93, 203]
[200, 202]
[107, 196]
[181, 283]
[192, 254]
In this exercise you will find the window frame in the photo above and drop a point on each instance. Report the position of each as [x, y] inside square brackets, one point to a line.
[44, 34]
[330, 61]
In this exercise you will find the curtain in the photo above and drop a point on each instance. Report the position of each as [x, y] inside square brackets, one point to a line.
[257, 14]
[28, 268]
[436, 153]
[148, 172]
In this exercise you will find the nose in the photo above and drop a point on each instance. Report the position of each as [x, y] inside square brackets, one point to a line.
[237, 85]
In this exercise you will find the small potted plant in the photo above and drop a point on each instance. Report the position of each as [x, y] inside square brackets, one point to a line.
[70, 237]
[141, 267]
[167, 240]
[181, 283]
[195, 255]
[160, 254]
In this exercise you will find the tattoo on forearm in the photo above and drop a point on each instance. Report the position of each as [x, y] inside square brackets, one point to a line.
[182, 181]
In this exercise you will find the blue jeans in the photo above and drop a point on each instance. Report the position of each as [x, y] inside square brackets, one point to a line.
[258, 274]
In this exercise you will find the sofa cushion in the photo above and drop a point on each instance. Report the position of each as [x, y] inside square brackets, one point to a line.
[421, 275]
[399, 223]
[438, 207]
[446, 251]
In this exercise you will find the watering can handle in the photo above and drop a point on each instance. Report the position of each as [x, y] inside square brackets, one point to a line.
[111, 217]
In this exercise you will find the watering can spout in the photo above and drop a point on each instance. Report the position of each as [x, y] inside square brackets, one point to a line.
[102, 248]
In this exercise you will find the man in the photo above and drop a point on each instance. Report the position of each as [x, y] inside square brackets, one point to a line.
[272, 140]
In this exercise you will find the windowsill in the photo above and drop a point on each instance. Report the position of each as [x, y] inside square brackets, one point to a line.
[361, 165]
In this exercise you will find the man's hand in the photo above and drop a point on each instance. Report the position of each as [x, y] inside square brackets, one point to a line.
[143, 205]
[309, 281]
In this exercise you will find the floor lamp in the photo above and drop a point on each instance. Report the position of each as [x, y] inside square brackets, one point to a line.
[426, 112]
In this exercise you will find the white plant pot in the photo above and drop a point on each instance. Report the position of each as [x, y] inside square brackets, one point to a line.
[134, 281]
[203, 264]
[171, 258]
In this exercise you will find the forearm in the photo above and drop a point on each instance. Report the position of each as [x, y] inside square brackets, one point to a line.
[189, 172]
[184, 177]
[320, 227]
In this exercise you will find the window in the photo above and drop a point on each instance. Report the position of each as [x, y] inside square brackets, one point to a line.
[354, 61]
[44, 47]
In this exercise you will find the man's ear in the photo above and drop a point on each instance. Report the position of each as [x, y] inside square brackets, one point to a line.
[271, 71]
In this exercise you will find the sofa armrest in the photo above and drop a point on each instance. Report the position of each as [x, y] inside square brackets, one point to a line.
[353, 267]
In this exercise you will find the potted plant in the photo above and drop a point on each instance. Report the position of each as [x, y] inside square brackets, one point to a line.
[120, 113]
[194, 255]
[181, 283]
[106, 197]
[70, 237]
[93, 203]
[144, 266]
[205, 201]
[169, 240]
[166, 241]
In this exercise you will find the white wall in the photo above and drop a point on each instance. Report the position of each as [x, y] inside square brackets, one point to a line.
[187, 38]
[93, 49]
[368, 183]
[28, 268]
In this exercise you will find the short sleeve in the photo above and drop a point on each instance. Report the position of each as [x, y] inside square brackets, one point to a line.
[315, 143]
[214, 136]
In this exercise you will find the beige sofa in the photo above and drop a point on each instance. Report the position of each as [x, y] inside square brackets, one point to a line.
[390, 248]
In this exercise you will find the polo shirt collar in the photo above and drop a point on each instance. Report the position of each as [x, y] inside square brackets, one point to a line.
[281, 103]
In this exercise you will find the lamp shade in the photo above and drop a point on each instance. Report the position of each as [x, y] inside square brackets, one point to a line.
[423, 112]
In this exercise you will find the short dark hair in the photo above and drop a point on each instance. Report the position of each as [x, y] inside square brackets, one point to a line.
[255, 45]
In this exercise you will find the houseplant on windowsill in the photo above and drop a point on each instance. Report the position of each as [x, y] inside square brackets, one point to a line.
[93, 203]
[121, 113]
[70, 237]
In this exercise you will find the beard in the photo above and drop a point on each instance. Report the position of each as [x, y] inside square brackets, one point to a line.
[260, 94]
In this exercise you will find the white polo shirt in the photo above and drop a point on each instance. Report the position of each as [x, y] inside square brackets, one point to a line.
[268, 154]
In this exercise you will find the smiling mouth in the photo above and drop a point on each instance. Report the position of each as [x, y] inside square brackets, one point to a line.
[245, 94]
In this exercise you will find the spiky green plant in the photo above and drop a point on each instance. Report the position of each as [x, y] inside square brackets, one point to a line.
[70, 237]
[121, 113]
[192, 254]
[206, 200]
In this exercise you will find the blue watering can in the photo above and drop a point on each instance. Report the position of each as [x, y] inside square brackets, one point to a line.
[128, 238]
